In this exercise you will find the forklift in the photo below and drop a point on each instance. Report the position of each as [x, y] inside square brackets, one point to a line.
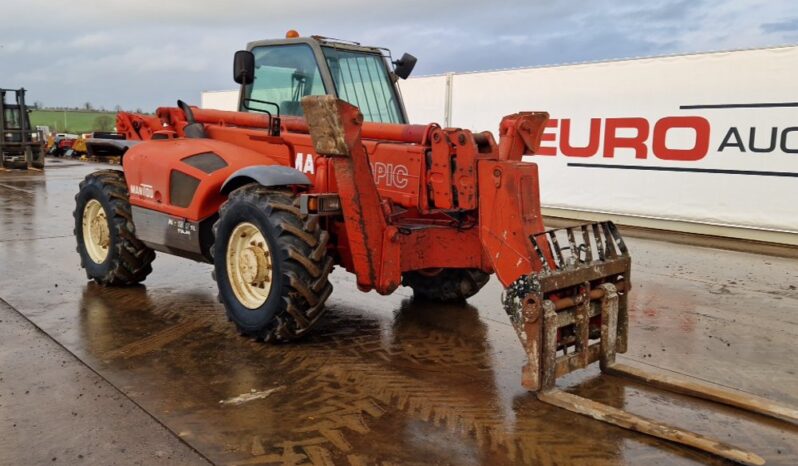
[21, 146]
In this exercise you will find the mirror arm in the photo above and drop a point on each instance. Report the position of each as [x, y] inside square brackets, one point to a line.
[241, 104]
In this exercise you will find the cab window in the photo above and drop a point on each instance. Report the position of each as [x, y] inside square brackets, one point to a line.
[362, 80]
[284, 74]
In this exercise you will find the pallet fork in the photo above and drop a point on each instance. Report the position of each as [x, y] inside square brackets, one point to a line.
[574, 313]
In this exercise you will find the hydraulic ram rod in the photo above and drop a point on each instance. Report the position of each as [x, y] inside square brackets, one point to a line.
[415, 134]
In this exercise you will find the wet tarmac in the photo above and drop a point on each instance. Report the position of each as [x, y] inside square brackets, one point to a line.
[390, 380]
[55, 410]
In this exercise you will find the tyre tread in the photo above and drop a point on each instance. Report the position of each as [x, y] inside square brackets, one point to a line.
[131, 258]
[305, 267]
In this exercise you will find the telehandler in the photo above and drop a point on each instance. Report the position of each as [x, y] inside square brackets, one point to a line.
[320, 167]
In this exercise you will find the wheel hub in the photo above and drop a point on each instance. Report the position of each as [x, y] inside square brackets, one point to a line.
[96, 234]
[254, 265]
[99, 230]
[249, 266]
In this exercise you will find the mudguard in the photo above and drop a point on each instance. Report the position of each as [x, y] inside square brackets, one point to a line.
[265, 175]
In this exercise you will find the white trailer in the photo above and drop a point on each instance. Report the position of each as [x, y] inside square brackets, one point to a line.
[704, 143]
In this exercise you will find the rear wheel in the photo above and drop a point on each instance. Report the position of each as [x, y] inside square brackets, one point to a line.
[445, 285]
[107, 243]
[270, 264]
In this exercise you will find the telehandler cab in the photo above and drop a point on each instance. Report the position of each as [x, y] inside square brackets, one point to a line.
[320, 167]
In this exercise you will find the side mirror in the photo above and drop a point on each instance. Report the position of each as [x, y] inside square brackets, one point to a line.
[244, 67]
[404, 66]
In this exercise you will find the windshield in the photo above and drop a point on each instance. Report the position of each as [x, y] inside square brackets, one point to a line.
[362, 80]
[283, 75]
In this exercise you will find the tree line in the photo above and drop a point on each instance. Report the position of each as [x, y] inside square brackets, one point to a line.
[86, 107]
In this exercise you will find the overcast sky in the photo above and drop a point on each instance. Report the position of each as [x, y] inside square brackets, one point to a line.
[146, 53]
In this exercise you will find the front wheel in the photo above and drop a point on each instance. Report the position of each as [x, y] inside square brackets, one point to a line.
[270, 264]
[107, 243]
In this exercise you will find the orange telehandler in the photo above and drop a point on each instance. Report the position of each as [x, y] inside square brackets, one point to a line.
[321, 168]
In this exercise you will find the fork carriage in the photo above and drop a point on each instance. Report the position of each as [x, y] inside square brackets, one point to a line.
[575, 313]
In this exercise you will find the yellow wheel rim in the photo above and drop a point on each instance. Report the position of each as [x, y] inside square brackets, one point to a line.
[96, 235]
[249, 265]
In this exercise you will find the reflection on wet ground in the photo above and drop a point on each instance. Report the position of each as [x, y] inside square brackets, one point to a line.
[392, 380]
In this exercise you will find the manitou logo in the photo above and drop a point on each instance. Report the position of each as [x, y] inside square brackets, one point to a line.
[645, 139]
[143, 190]
[388, 174]
[305, 163]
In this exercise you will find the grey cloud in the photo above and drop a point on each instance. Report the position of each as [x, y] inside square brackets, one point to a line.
[148, 53]
[781, 26]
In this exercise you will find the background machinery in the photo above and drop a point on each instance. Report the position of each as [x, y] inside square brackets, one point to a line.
[320, 168]
[21, 145]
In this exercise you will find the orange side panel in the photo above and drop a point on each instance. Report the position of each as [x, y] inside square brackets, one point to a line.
[398, 171]
[258, 141]
[441, 247]
[148, 167]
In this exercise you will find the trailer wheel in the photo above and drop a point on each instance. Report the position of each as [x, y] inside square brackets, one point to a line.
[445, 285]
[109, 250]
[270, 264]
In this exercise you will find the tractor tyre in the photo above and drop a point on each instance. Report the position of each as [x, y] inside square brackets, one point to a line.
[270, 264]
[445, 285]
[109, 250]
[17, 165]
